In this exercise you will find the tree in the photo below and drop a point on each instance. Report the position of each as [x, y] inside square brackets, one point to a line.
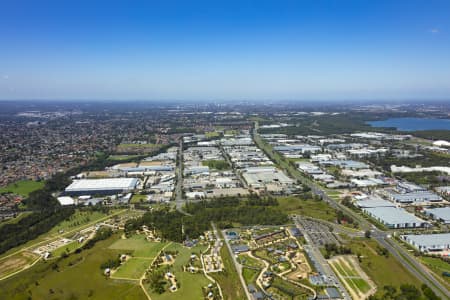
[367, 234]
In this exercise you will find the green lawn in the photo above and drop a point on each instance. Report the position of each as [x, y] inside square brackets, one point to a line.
[133, 268]
[23, 187]
[212, 134]
[77, 277]
[139, 246]
[216, 164]
[138, 199]
[310, 208]
[69, 248]
[250, 275]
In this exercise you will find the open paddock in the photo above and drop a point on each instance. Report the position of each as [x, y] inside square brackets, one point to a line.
[16, 263]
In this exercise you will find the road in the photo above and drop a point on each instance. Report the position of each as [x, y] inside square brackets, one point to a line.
[380, 236]
[179, 200]
[237, 265]
[315, 255]
[55, 237]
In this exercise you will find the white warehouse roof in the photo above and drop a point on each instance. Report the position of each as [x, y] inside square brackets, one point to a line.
[102, 184]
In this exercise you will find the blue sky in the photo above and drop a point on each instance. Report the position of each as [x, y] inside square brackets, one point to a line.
[225, 50]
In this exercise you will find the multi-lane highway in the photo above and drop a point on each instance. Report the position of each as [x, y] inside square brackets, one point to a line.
[409, 262]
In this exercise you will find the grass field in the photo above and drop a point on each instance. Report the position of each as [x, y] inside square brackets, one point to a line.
[138, 246]
[133, 268]
[77, 277]
[310, 208]
[250, 275]
[349, 274]
[438, 266]
[137, 148]
[122, 157]
[16, 263]
[375, 265]
[79, 218]
[212, 134]
[190, 284]
[69, 248]
[138, 199]
[283, 289]
[65, 226]
[246, 260]
[23, 187]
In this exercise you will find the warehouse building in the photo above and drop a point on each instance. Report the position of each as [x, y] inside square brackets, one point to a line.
[395, 217]
[110, 186]
[429, 242]
[440, 214]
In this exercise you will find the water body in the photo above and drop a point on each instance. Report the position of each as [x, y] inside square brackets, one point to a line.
[413, 124]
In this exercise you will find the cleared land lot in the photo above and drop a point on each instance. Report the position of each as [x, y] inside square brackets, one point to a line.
[16, 263]
[356, 281]
[311, 208]
[375, 265]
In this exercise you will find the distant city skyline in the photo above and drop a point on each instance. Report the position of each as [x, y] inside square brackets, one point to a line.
[225, 50]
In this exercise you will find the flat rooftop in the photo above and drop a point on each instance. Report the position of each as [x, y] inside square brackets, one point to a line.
[392, 215]
[428, 240]
[440, 213]
[102, 184]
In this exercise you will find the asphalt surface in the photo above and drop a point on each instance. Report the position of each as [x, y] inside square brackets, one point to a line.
[410, 263]
[236, 264]
[317, 256]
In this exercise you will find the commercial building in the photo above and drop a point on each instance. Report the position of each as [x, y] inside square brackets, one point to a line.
[110, 186]
[440, 214]
[429, 242]
[395, 217]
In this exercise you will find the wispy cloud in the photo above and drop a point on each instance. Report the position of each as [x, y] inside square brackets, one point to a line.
[5, 77]
[434, 30]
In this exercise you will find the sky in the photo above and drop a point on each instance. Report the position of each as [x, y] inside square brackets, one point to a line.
[225, 50]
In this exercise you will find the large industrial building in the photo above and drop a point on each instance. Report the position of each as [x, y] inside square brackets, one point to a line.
[110, 186]
[429, 242]
[394, 217]
[441, 214]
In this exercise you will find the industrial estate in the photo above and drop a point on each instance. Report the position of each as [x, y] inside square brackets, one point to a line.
[226, 202]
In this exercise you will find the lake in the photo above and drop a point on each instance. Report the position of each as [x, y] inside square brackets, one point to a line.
[413, 124]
